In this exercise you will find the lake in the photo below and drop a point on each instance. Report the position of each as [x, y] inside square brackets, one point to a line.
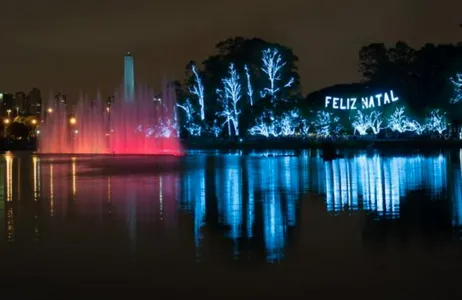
[234, 224]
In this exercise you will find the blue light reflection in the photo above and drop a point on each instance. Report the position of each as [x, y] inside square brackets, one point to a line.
[250, 199]
[258, 193]
[377, 184]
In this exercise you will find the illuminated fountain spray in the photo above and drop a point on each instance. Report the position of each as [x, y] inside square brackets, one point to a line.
[145, 124]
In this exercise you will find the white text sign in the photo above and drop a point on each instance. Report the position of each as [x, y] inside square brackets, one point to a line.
[377, 100]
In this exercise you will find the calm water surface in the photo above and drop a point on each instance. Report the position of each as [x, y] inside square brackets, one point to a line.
[217, 224]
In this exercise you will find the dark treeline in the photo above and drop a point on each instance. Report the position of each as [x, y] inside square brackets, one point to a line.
[421, 77]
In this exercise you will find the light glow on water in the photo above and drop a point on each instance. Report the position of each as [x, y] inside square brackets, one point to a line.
[457, 193]
[244, 199]
[380, 182]
[9, 177]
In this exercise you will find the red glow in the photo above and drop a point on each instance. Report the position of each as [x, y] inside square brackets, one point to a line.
[151, 194]
[125, 128]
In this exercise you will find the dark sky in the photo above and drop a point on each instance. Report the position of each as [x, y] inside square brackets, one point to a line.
[79, 44]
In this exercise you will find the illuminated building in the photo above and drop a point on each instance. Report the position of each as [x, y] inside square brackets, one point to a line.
[129, 78]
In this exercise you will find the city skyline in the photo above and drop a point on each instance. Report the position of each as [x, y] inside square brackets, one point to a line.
[84, 52]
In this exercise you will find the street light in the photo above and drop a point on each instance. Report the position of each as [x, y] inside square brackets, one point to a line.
[50, 110]
[34, 121]
[72, 121]
[6, 121]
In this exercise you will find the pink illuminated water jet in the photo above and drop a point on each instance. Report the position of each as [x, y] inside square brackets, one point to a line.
[145, 125]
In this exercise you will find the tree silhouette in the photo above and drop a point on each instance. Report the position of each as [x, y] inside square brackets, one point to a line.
[18, 130]
[419, 75]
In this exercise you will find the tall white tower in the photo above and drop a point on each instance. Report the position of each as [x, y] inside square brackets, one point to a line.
[129, 78]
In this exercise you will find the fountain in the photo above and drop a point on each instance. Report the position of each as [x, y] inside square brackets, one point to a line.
[144, 125]
[136, 122]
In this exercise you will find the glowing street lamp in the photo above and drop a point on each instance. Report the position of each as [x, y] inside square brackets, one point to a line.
[72, 121]
[33, 121]
[6, 121]
[50, 110]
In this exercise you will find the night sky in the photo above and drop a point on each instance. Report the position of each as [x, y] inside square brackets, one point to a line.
[79, 44]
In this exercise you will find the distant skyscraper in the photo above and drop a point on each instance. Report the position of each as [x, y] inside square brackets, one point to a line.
[129, 78]
[34, 102]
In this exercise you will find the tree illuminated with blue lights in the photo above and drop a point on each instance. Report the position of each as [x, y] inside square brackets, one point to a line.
[375, 122]
[226, 95]
[457, 88]
[198, 91]
[360, 123]
[437, 122]
[249, 85]
[229, 97]
[288, 124]
[189, 124]
[398, 120]
[273, 63]
[416, 127]
[219, 99]
[326, 124]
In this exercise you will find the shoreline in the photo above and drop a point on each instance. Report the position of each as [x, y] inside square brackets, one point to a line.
[298, 144]
[287, 144]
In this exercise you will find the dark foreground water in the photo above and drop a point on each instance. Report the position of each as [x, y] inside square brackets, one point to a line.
[222, 225]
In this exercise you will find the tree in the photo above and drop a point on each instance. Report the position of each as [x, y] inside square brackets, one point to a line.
[360, 123]
[249, 85]
[272, 64]
[246, 55]
[375, 122]
[381, 64]
[326, 124]
[285, 125]
[373, 61]
[229, 96]
[457, 88]
[18, 130]
[398, 120]
[288, 123]
[261, 127]
[198, 90]
[414, 126]
[419, 75]
[189, 123]
[437, 122]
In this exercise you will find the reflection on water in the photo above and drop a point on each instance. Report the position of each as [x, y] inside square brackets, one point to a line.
[380, 182]
[252, 200]
[457, 193]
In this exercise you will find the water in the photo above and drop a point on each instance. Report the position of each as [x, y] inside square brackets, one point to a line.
[146, 125]
[233, 224]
